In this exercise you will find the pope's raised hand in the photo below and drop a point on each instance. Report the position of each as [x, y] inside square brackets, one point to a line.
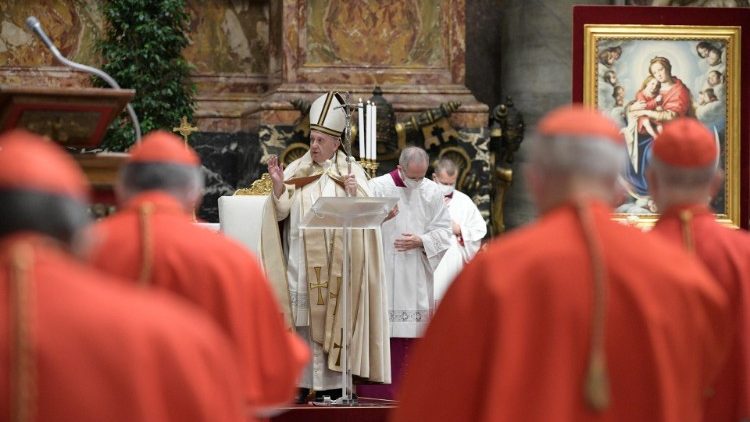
[277, 175]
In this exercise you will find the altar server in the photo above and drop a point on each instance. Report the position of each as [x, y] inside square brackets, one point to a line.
[467, 225]
[414, 241]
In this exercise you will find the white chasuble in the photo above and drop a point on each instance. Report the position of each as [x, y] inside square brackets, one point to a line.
[409, 274]
[307, 275]
[465, 213]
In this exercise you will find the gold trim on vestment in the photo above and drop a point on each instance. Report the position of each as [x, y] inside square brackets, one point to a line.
[688, 240]
[145, 211]
[22, 359]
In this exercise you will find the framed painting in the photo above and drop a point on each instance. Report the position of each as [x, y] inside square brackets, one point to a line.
[644, 72]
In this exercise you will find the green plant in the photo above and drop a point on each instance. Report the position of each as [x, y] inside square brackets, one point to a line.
[142, 50]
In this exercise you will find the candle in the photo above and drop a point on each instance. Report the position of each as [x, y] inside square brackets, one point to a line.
[361, 129]
[368, 135]
[374, 154]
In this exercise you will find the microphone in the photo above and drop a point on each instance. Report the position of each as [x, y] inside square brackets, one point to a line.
[33, 23]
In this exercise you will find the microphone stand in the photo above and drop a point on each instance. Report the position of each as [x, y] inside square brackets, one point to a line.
[33, 24]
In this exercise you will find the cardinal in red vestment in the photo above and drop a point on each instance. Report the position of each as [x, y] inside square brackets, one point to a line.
[683, 176]
[153, 242]
[77, 345]
[575, 317]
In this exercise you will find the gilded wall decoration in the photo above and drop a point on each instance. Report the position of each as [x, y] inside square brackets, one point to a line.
[408, 33]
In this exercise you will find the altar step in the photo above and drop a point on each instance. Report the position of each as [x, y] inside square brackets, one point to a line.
[367, 412]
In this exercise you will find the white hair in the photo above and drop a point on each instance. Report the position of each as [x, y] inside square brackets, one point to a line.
[412, 154]
[447, 166]
[590, 158]
[680, 178]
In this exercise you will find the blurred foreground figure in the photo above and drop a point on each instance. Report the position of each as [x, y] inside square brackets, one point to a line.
[152, 241]
[576, 317]
[75, 345]
[683, 177]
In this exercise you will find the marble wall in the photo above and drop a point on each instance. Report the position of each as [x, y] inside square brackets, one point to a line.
[520, 49]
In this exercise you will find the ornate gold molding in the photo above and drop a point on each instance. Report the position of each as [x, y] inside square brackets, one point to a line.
[262, 186]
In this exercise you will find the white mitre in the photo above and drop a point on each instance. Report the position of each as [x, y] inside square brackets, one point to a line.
[327, 115]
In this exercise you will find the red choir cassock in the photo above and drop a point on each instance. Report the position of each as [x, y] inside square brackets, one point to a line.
[75, 344]
[152, 241]
[573, 318]
[687, 144]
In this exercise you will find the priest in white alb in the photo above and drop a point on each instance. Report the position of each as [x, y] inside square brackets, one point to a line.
[467, 224]
[414, 242]
[306, 267]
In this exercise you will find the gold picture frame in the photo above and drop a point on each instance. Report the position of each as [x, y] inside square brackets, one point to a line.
[618, 61]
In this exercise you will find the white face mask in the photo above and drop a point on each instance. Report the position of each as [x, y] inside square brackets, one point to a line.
[446, 189]
[411, 183]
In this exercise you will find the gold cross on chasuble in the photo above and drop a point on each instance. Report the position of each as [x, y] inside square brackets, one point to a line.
[318, 285]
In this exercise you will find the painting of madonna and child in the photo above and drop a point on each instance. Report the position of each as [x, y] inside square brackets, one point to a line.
[642, 84]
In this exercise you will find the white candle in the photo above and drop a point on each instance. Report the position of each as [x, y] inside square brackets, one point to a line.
[361, 129]
[368, 136]
[374, 154]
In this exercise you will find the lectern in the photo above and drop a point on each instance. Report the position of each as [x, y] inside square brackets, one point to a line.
[76, 118]
[347, 213]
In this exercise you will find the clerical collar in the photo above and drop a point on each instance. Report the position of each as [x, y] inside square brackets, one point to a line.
[397, 179]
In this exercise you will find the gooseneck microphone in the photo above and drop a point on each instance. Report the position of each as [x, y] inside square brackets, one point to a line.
[33, 24]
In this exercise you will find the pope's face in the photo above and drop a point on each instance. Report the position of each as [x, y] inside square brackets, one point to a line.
[659, 72]
[322, 146]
